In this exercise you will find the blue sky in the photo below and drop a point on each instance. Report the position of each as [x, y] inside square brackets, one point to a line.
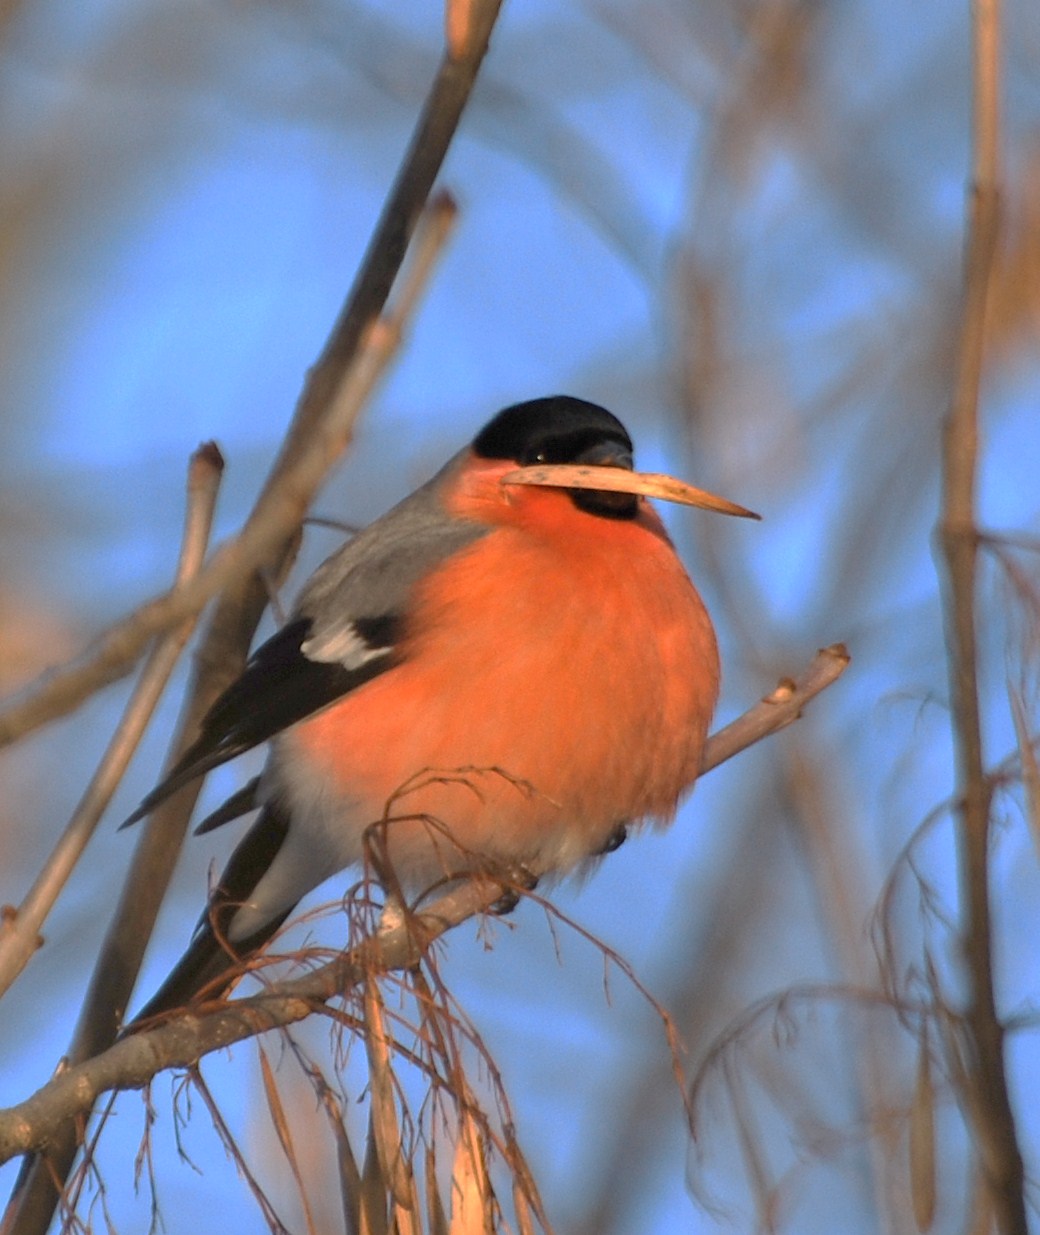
[760, 279]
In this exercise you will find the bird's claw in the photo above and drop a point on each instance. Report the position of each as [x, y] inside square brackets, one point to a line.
[521, 880]
[506, 903]
[614, 841]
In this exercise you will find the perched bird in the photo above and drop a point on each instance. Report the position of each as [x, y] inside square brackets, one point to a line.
[505, 670]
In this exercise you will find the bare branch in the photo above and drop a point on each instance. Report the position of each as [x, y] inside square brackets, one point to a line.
[303, 462]
[777, 710]
[321, 428]
[20, 931]
[988, 1102]
[279, 512]
[182, 1040]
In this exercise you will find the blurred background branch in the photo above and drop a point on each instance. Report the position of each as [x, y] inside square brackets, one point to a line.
[987, 1101]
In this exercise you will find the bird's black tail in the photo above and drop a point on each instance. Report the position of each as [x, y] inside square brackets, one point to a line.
[211, 957]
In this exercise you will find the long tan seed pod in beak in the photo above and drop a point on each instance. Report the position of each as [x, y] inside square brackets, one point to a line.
[621, 480]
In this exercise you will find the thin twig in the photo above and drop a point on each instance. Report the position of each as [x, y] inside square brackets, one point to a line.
[777, 710]
[182, 1040]
[987, 1100]
[20, 932]
[280, 511]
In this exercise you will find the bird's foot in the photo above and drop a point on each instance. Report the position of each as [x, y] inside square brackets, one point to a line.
[614, 841]
[521, 880]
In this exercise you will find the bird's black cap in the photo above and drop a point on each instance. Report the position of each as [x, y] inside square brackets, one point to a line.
[563, 429]
[557, 429]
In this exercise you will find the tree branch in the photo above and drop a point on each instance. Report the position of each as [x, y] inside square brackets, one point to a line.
[114, 653]
[20, 930]
[182, 1040]
[988, 1100]
[281, 507]
[320, 431]
[776, 710]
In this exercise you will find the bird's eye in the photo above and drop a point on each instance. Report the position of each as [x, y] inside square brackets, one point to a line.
[541, 457]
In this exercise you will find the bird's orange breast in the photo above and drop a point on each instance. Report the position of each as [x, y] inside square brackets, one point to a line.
[562, 668]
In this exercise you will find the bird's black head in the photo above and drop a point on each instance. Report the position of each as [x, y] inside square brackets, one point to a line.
[562, 429]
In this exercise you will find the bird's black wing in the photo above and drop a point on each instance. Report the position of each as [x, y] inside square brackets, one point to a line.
[345, 630]
[279, 686]
[211, 962]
